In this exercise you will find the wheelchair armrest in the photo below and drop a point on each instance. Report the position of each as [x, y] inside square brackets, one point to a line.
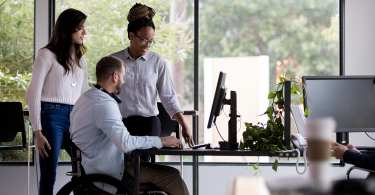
[359, 168]
[71, 173]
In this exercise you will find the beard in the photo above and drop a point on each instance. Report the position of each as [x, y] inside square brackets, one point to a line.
[118, 88]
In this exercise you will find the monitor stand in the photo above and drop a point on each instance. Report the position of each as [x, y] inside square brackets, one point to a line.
[232, 143]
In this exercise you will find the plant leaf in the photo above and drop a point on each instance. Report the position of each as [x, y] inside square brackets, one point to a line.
[270, 112]
[295, 90]
[306, 112]
[255, 167]
[275, 165]
[301, 100]
[271, 95]
[248, 125]
[279, 94]
[278, 121]
[282, 79]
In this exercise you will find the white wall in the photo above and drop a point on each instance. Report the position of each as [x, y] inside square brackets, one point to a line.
[41, 24]
[215, 179]
[359, 37]
[360, 49]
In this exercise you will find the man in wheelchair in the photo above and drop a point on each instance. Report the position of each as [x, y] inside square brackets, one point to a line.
[98, 131]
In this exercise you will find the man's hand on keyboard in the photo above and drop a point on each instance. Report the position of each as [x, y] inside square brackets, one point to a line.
[171, 141]
[338, 150]
[352, 148]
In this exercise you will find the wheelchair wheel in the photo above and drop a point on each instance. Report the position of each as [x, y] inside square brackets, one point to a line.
[83, 185]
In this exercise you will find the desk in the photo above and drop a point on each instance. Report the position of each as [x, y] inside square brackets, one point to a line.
[195, 153]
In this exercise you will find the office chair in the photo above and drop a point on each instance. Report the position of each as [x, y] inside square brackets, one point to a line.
[82, 184]
[12, 122]
[371, 173]
[168, 126]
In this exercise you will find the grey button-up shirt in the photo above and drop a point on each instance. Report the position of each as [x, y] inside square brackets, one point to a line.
[144, 79]
[98, 131]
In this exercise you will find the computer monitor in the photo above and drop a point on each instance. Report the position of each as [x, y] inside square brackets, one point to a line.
[217, 104]
[349, 99]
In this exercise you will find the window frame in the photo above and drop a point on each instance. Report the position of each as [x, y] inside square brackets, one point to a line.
[26, 113]
[339, 136]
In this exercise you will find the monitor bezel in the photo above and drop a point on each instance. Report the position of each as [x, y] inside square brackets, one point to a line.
[305, 102]
[217, 103]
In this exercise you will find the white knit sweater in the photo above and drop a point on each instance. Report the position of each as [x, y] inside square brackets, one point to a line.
[49, 84]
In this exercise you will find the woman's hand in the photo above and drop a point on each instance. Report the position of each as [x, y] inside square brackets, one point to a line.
[41, 142]
[186, 134]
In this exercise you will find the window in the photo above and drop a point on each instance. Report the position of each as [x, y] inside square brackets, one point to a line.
[16, 61]
[254, 42]
[106, 28]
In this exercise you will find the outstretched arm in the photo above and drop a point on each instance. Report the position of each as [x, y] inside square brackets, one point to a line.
[186, 133]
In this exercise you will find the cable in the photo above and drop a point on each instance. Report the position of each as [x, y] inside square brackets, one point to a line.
[369, 136]
[298, 156]
[304, 159]
[239, 120]
[219, 132]
[225, 113]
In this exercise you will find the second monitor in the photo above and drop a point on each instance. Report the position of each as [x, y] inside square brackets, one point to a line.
[217, 105]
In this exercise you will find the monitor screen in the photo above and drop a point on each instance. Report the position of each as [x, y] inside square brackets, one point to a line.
[217, 103]
[349, 99]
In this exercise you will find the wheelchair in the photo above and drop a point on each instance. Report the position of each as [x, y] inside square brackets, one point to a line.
[82, 184]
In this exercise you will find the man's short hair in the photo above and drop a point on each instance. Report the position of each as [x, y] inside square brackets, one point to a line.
[107, 66]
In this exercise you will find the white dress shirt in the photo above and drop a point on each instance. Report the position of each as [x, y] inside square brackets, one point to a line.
[98, 131]
[144, 79]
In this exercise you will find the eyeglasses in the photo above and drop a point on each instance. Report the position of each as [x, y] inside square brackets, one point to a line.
[145, 42]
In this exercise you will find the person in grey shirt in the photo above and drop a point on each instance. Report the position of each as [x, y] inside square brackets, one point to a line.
[146, 77]
[98, 131]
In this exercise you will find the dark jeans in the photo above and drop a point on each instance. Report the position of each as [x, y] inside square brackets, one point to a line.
[142, 126]
[55, 119]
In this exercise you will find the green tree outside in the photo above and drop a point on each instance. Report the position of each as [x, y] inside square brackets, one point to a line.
[301, 36]
[16, 60]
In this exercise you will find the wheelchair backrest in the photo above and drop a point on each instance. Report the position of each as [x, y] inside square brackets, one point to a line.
[77, 169]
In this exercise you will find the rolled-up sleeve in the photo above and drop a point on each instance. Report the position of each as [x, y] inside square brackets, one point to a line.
[166, 90]
[107, 117]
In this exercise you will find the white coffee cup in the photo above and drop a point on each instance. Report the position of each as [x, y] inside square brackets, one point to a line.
[319, 133]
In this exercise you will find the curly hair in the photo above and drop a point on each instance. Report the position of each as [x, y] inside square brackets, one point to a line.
[140, 16]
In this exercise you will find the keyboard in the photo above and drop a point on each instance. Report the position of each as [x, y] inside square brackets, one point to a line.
[202, 145]
[365, 147]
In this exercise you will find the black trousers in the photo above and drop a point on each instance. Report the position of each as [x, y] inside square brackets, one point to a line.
[142, 126]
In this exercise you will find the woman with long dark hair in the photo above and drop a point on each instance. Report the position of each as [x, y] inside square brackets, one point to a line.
[59, 78]
[146, 77]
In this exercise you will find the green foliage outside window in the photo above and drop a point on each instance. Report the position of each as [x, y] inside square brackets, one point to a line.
[300, 36]
[106, 27]
[16, 60]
